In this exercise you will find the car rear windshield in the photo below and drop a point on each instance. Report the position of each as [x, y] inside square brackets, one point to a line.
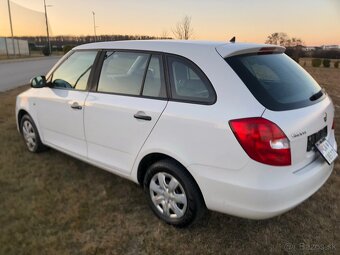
[276, 81]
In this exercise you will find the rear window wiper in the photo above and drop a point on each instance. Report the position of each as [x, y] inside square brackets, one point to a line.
[317, 95]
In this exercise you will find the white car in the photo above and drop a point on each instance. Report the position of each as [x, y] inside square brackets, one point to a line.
[236, 128]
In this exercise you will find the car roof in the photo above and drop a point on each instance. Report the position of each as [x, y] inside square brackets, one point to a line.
[186, 47]
[161, 45]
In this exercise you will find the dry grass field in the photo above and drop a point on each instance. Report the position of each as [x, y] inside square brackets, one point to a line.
[307, 62]
[51, 203]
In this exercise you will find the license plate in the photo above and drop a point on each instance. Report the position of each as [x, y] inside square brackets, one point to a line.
[326, 150]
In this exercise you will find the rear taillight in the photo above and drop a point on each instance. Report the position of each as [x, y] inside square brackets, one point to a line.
[333, 125]
[262, 140]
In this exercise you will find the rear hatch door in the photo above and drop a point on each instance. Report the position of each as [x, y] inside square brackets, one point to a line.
[304, 127]
[292, 98]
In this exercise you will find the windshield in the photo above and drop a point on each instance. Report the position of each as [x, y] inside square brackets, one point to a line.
[276, 81]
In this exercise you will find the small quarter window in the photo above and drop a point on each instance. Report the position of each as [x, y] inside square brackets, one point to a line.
[188, 83]
[123, 72]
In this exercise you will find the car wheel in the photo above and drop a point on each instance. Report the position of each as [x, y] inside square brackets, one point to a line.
[172, 193]
[30, 134]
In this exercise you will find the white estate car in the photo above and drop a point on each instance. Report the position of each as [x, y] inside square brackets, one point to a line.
[236, 128]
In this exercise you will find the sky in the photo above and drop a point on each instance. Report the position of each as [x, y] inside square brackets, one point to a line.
[316, 22]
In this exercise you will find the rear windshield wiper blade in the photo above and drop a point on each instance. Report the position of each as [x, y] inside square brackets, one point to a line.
[317, 95]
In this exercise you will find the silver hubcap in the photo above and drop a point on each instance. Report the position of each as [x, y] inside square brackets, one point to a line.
[29, 135]
[168, 195]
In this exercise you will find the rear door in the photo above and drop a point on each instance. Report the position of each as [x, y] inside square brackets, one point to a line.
[292, 98]
[124, 107]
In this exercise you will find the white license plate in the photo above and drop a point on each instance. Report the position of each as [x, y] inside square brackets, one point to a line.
[326, 150]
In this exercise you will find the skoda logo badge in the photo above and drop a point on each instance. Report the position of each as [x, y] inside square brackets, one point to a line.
[325, 117]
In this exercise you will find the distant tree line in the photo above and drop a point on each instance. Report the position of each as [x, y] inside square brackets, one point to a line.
[295, 47]
[298, 52]
[321, 53]
[59, 42]
[183, 31]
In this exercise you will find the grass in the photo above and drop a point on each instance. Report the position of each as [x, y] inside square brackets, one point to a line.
[51, 203]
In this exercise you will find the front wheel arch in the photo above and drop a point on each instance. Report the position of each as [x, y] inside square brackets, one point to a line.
[21, 114]
[38, 146]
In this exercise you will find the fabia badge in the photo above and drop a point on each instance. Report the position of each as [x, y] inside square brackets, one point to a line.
[298, 134]
[325, 117]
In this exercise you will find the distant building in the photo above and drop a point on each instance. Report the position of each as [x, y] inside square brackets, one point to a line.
[20, 47]
[330, 47]
[309, 48]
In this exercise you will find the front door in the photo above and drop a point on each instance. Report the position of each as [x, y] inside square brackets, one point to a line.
[61, 106]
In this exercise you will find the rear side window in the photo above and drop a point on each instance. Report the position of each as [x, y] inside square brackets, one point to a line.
[154, 84]
[188, 83]
[276, 81]
[123, 72]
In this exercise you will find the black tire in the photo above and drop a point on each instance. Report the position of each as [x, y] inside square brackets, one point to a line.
[27, 124]
[195, 206]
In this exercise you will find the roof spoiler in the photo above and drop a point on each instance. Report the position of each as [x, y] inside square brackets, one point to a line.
[228, 50]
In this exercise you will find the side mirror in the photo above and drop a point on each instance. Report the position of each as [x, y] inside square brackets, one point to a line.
[38, 82]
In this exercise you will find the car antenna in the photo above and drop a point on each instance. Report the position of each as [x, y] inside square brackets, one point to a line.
[233, 40]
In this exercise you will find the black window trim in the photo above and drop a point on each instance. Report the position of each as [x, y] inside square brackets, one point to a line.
[166, 76]
[145, 73]
[67, 56]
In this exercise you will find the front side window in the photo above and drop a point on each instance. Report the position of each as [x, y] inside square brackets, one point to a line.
[188, 83]
[74, 72]
[123, 72]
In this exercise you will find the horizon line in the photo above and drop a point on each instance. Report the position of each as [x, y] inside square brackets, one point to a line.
[139, 35]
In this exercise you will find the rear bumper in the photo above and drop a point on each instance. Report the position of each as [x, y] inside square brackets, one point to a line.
[259, 192]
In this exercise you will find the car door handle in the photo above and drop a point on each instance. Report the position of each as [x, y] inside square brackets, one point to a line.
[142, 116]
[76, 106]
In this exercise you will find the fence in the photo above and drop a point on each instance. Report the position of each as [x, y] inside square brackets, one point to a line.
[20, 47]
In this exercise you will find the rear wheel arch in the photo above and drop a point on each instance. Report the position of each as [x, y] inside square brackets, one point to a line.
[152, 158]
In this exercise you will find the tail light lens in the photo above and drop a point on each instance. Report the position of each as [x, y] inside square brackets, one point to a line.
[333, 125]
[262, 140]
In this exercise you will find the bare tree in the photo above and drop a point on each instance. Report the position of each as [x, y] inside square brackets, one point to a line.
[183, 29]
[164, 34]
[277, 38]
[296, 42]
